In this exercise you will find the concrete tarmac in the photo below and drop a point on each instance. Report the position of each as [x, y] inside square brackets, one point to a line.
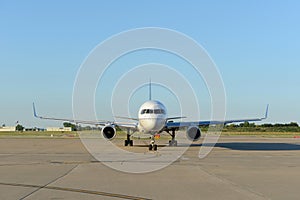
[240, 167]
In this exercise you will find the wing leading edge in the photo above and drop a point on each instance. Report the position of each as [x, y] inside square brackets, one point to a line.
[97, 123]
[171, 125]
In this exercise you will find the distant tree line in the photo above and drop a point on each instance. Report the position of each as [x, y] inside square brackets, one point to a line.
[19, 127]
[292, 124]
[68, 124]
[79, 127]
[247, 124]
[251, 127]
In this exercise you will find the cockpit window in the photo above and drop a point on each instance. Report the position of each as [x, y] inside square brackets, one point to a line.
[150, 111]
[159, 111]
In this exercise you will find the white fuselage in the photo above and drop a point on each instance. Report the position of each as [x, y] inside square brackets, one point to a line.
[152, 117]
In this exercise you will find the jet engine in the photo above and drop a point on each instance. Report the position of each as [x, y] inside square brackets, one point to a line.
[193, 133]
[108, 132]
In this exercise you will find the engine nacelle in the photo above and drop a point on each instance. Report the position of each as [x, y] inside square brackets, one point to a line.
[108, 132]
[193, 133]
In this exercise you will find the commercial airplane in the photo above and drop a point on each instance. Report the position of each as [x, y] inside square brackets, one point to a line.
[152, 119]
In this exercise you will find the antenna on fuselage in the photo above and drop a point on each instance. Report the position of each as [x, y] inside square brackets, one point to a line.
[150, 95]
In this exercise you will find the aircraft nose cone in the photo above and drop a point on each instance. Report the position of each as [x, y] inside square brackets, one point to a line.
[152, 124]
[148, 124]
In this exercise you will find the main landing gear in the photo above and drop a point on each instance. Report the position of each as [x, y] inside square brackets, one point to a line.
[128, 141]
[172, 142]
[152, 145]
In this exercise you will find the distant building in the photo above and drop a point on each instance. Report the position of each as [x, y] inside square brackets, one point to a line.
[34, 129]
[7, 128]
[59, 129]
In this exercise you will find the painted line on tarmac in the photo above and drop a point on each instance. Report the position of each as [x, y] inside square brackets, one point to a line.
[76, 190]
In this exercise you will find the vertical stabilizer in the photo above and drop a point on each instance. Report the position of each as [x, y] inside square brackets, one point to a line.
[150, 94]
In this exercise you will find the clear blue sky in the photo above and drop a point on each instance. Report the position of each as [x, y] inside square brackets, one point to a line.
[255, 45]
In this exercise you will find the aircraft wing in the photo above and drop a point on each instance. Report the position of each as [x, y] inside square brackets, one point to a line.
[171, 125]
[131, 125]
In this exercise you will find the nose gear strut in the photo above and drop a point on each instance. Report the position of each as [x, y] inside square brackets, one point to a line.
[152, 145]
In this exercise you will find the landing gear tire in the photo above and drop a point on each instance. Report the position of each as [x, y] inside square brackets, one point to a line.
[128, 143]
[173, 143]
[153, 147]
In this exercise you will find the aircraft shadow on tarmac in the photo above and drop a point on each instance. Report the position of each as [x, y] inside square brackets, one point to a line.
[255, 146]
[246, 146]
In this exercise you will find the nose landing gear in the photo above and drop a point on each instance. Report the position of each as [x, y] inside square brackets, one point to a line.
[152, 145]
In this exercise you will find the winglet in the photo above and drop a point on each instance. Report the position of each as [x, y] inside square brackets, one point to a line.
[267, 112]
[34, 111]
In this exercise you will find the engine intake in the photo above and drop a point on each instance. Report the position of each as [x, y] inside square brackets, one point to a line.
[108, 132]
[193, 133]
